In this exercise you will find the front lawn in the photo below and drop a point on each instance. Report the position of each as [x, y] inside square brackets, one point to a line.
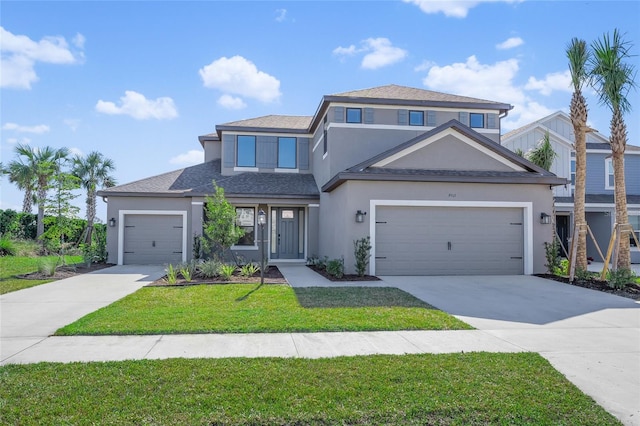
[10, 266]
[449, 389]
[247, 308]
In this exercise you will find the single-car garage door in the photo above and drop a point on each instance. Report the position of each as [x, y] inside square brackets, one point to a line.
[449, 241]
[152, 239]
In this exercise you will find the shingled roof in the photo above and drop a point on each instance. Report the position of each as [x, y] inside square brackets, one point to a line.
[198, 181]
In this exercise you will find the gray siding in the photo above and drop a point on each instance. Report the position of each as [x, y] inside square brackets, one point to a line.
[595, 174]
[212, 150]
[228, 150]
[303, 153]
[267, 152]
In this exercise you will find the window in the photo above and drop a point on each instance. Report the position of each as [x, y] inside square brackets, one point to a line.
[245, 218]
[573, 171]
[634, 221]
[325, 141]
[416, 118]
[246, 156]
[287, 153]
[354, 115]
[609, 180]
[476, 120]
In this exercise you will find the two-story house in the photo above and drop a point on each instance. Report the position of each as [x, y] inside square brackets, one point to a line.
[599, 201]
[421, 173]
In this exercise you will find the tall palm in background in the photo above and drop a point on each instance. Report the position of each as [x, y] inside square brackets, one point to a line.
[21, 174]
[613, 77]
[578, 55]
[94, 171]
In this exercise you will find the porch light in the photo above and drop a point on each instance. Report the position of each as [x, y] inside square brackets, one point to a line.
[262, 220]
[360, 216]
[112, 222]
[545, 219]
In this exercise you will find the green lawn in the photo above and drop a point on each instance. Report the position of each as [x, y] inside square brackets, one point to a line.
[450, 389]
[247, 308]
[19, 265]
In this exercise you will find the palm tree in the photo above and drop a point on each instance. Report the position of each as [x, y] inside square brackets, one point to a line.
[94, 172]
[578, 56]
[612, 79]
[22, 175]
[43, 164]
[543, 154]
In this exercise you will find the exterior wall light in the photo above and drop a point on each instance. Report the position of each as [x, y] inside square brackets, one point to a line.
[360, 216]
[112, 222]
[545, 219]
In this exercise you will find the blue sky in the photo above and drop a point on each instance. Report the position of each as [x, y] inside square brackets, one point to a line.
[140, 81]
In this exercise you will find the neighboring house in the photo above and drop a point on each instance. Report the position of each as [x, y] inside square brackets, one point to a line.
[599, 202]
[434, 189]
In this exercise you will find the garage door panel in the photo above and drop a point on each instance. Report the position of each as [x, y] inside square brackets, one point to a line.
[152, 239]
[448, 240]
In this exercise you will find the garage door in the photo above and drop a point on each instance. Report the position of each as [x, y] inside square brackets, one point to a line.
[152, 239]
[449, 241]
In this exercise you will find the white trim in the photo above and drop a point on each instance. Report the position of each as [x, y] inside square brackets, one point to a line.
[263, 133]
[197, 203]
[448, 132]
[280, 170]
[253, 247]
[608, 161]
[318, 143]
[608, 151]
[487, 110]
[400, 127]
[325, 155]
[527, 208]
[313, 205]
[255, 208]
[246, 169]
[123, 213]
[596, 205]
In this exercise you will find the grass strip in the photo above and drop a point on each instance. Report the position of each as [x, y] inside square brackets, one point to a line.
[245, 308]
[450, 389]
[10, 266]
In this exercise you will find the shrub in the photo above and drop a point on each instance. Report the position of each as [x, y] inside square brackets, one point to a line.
[47, 266]
[210, 268]
[197, 246]
[335, 268]
[564, 267]
[7, 247]
[583, 274]
[187, 270]
[226, 271]
[362, 253]
[620, 278]
[320, 263]
[172, 274]
[551, 253]
[186, 273]
[249, 270]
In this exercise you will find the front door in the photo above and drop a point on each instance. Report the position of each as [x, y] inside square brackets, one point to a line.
[287, 233]
[562, 228]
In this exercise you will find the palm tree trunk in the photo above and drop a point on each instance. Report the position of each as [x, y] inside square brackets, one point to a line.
[27, 201]
[618, 144]
[41, 198]
[91, 214]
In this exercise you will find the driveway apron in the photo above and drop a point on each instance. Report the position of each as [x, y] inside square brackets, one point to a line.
[593, 338]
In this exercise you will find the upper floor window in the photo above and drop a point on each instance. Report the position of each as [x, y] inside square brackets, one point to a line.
[416, 118]
[476, 120]
[354, 115]
[573, 171]
[245, 219]
[325, 136]
[287, 153]
[609, 181]
[246, 156]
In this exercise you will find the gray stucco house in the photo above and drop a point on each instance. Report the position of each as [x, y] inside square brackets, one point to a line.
[422, 173]
[599, 202]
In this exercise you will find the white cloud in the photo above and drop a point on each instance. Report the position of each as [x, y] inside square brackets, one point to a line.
[188, 158]
[451, 8]
[137, 106]
[13, 141]
[73, 123]
[510, 43]
[379, 53]
[20, 54]
[76, 152]
[525, 113]
[78, 41]
[555, 81]
[240, 76]
[37, 129]
[231, 102]
[424, 66]
[281, 15]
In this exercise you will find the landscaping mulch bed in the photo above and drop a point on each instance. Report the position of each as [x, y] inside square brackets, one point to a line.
[66, 271]
[345, 277]
[271, 276]
[631, 291]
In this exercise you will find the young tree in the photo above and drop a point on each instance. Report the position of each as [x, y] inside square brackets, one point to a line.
[613, 78]
[219, 227]
[22, 175]
[94, 171]
[578, 56]
[543, 154]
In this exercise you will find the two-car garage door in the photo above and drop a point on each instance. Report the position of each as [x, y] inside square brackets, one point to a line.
[449, 241]
[152, 239]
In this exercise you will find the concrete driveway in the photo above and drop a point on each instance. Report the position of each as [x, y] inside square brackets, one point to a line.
[591, 337]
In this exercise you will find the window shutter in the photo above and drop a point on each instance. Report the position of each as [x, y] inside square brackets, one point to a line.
[368, 116]
[267, 152]
[463, 117]
[228, 150]
[403, 117]
[431, 118]
[338, 114]
[303, 153]
[491, 121]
